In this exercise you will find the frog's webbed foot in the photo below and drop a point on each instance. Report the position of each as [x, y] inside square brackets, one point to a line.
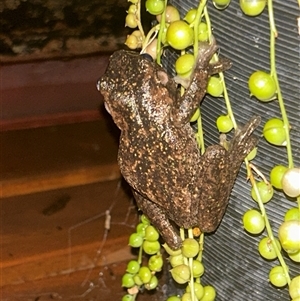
[221, 65]
[159, 220]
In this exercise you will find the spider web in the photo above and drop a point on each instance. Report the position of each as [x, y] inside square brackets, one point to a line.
[109, 231]
[130, 218]
[89, 284]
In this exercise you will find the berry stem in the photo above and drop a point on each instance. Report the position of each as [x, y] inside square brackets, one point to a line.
[273, 36]
[138, 16]
[267, 223]
[150, 36]
[201, 243]
[140, 256]
[221, 74]
[160, 33]
[201, 7]
[190, 261]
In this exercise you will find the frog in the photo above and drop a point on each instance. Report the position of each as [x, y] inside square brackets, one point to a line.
[173, 183]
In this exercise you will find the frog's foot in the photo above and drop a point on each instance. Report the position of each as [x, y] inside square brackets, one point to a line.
[222, 65]
[244, 141]
[206, 52]
[159, 220]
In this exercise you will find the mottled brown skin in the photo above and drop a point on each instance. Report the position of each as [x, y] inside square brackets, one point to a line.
[158, 154]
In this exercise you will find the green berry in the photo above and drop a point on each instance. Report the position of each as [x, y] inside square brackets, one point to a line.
[128, 298]
[141, 229]
[190, 247]
[155, 7]
[253, 221]
[127, 280]
[133, 267]
[186, 297]
[198, 268]
[181, 273]
[131, 21]
[155, 263]
[224, 124]
[198, 290]
[151, 234]
[266, 248]
[203, 32]
[221, 4]
[151, 247]
[176, 260]
[295, 256]
[195, 116]
[215, 86]
[276, 175]
[289, 236]
[291, 182]
[274, 132]
[145, 274]
[262, 86]
[179, 35]
[184, 63]
[137, 280]
[152, 284]
[294, 287]
[252, 154]
[292, 214]
[135, 240]
[252, 7]
[209, 293]
[277, 276]
[144, 219]
[190, 15]
[265, 192]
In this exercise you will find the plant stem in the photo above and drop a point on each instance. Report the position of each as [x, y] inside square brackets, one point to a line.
[273, 36]
[267, 223]
[221, 74]
[201, 7]
[138, 16]
[160, 33]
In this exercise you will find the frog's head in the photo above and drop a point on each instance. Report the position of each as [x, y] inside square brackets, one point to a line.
[132, 87]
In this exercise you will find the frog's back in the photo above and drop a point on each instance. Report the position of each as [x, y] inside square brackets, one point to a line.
[160, 166]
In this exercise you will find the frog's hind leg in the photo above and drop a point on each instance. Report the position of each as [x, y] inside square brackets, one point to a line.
[159, 220]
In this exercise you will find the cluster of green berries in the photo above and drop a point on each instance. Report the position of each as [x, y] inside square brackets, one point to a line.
[187, 269]
[137, 276]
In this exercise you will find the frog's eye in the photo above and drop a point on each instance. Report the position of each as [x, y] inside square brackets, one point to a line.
[147, 56]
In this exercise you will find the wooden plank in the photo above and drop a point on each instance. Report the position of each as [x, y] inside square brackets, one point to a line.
[47, 88]
[36, 244]
[41, 159]
[103, 285]
[57, 180]
[49, 120]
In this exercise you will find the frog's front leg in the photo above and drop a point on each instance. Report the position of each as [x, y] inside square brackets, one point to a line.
[159, 220]
[197, 84]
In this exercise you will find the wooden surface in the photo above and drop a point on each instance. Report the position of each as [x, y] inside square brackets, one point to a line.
[42, 93]
[48, 158]
[40, 245]
[60, 186]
